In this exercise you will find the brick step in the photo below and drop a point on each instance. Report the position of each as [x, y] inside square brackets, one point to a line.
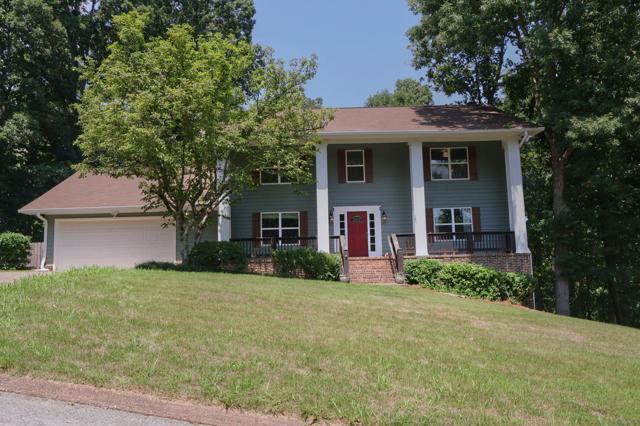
[371, 270]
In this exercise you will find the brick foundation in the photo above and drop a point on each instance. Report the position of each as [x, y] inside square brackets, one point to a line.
[371, 270]
[263, 266]
[505, 262]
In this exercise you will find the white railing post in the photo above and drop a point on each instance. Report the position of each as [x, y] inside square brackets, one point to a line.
[322, 198]
[515, 193]
[418, 198]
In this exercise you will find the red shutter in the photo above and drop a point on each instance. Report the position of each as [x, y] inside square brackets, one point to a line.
[473, 163]
[255, 228]
[426, 163]
[430, 227]
[368, 165]
[255, 175]
[342, 166]
[304, 227]
[475, 214]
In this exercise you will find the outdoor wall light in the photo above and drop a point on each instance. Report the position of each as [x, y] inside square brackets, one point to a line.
[331, 216]
[384, 217]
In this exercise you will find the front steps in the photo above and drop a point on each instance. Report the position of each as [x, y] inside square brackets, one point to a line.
[371, 270]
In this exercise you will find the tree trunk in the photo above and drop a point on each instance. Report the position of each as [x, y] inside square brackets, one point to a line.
[183, 240]
[560, 208]
[613, 304]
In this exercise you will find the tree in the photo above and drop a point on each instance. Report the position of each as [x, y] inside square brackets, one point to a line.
[194, 117]
[42, 43]
[563, 64]
[408, 92]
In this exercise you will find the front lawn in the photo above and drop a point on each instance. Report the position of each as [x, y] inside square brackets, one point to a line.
[375, 354]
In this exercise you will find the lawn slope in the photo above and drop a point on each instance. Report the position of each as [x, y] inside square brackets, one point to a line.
[373, 354]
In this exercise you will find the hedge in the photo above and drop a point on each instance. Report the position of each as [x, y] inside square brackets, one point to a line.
[15, 250]
[469, 279]
[306, 262]
[217, 256]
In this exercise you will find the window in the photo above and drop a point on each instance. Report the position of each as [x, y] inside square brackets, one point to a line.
[272, 177]
[280, 225]
[453, 220]
[449, 163]
[372, 232]
[355, 166]
[342, 224]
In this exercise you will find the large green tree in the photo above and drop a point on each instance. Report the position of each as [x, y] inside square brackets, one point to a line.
[195, 117]
[408, 92]
[42, 42]
[570, 66]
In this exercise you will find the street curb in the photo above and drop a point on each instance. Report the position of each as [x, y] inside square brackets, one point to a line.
[138, 403]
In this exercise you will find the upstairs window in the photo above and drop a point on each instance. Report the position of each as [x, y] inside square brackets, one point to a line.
[273, 177]
[355, 165]
[456, 220]
[449, 163]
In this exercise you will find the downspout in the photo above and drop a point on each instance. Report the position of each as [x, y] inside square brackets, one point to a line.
[46, 226]
[525, 138]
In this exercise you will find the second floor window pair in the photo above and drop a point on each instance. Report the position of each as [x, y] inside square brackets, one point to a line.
[449, 163]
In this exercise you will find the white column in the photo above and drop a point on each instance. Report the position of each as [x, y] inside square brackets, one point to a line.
[224, 210]
[418, 198]
[322, 198]
[515, 193]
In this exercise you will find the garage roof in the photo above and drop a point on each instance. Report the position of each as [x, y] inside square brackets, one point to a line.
[97, 192]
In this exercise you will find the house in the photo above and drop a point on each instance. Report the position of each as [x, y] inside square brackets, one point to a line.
[391, 182]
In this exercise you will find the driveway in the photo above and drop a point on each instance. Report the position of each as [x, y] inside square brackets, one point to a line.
[11, 276]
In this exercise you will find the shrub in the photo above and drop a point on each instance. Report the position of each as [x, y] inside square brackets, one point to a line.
[469, 279]
[422, 271]
[217, 256]
[307, 262]
[15, 250]
[162, 266]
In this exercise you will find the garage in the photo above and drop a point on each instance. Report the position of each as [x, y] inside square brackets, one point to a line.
[121, 242]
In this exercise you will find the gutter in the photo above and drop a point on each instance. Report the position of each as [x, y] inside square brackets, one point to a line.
[525, 137]
[46, 227]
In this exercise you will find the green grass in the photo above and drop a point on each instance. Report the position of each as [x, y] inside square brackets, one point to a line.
[372, 354]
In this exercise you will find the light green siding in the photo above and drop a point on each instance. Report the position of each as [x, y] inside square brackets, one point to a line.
[391, 186]
[488, 192]
[210, 234]
[272, 198]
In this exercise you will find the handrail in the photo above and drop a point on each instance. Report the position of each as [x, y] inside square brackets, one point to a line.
[397, 255]
[343, 250]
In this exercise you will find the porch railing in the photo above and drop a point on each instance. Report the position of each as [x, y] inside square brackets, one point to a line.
[339, 246]
[460, 242]
[257, 248]
[397, 257]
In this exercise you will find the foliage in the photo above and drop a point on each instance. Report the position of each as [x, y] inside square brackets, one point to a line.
[201, 115]
[408, 92]
[311, 263]
[572, 67]
[159, 266]
[41, 44]
[422, 272]
[217, 256]
[469, 279]
[15, 250]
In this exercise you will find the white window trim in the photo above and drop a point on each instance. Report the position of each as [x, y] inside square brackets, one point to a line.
[449, 148]
[452, 224]
[375, 210]
[279, 182]
[353, 166]
[280, 228]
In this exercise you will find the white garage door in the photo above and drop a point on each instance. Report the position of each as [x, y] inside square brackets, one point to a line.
[121, 242]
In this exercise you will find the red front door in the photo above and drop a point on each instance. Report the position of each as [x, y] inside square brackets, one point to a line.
[357, 232]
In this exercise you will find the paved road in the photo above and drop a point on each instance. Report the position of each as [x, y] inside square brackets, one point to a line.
[18, 409]
[11, 276]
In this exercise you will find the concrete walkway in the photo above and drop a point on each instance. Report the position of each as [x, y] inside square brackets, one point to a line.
[27, 401]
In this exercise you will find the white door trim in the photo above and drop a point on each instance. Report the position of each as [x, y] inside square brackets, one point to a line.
[375, 210]
[57, 221]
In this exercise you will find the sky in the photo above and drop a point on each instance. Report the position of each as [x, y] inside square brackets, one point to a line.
[361, 45]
